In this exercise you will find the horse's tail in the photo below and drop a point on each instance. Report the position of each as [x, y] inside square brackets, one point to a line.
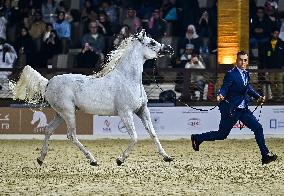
[30, 87]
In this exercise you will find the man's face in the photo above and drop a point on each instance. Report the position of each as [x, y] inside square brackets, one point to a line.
[242, 61]
[275, 34]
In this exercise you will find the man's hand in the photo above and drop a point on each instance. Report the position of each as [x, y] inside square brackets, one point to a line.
[220, 97]
[261, 99]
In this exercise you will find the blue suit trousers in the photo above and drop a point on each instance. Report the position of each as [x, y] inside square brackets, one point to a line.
[226, 124]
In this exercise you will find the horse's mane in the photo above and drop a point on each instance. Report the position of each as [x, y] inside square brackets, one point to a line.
[114, 56]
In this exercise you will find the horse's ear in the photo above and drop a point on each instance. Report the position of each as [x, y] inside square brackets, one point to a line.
[140, 36]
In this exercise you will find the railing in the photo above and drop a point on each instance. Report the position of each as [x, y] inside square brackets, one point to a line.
[179, 81]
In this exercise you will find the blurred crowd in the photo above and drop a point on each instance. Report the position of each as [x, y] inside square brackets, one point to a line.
[38, 30]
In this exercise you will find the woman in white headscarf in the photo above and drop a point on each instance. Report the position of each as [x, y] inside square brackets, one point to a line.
[191, 37]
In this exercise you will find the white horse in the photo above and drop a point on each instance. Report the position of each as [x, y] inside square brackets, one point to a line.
[116, 90]
[41, 117]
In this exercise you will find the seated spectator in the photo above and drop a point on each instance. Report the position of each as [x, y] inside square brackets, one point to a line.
[88, 58]
[274, 59]
[260, 28]
[25, 46]
[110, 10]
[132, 21]
[124, 33]
[51, 46]
[37, 30]
[63, 29]
[191, 37]
[204, 32]
[170, 14]
[48, 29]
[186, 56]
[198, 79]
[48, 11]
[104, 25]
[157, 26]
[8, 56]
[3, 24]
[94, 38]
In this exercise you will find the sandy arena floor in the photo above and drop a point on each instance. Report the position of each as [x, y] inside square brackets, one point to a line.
[230, 167]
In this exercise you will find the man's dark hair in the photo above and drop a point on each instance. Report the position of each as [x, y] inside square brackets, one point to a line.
[242, 53]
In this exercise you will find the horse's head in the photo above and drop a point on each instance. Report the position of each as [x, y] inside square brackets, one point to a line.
[152, 48]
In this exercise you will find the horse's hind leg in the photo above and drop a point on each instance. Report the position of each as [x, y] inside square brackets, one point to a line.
[127, 119]
[49, 130]
[144, 115]
[69, 118]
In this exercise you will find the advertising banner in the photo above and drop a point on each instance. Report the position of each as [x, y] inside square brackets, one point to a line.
[184, 121]
[33, 121]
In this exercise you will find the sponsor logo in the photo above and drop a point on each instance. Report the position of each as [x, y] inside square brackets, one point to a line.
[121, 127]
[40, 117]
[194, 122]
[107, 126]
[274, 123]
[4, 122]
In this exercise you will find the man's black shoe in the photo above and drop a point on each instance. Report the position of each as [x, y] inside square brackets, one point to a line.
[268, 158]
[195, 143]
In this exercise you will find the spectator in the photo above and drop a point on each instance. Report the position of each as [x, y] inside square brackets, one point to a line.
[12, 14]
[196, 78]
[274, 59]
[88, 58]
[25, 46]
[48, 29]
[8, 56]
[50, 47]
[170, 14]
[63, 30]
[260, 28]
[37, 29]
[48, 10]
[94, 38]
[204, 32]
[87, 10]
[110, 11]
[191, 37]
[124, 33]
[157, 26]
[132, 21]
[186, 56]
[104, 25]
[3, 25]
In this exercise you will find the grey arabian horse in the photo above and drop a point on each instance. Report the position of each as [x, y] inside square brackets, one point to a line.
[116, 90]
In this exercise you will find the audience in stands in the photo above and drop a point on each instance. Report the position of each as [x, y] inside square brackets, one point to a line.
[88, 58]
[3, 25]
[94, 38]
[104, 25]
[157, 26]
[25, 46]
[63, 29]
[132, 21]
[191, 37]
[274, 59]
[124, 33]
[8, 57]
[51, 46]
[48, 10]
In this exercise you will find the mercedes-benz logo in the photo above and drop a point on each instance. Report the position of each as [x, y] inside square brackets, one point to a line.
[121, 127]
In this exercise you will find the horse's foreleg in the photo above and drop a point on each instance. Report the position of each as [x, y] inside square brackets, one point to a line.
[127, 119]
[71, 126]
[144, 115]
[49, 130]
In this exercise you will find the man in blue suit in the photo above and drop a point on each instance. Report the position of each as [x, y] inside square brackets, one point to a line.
[234, 96]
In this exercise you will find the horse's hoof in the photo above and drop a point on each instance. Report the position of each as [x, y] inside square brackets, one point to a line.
[168, 159]
[94, 163]
[119, 162]
[39, 161]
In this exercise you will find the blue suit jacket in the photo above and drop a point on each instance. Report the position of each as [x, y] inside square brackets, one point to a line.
[234, 91]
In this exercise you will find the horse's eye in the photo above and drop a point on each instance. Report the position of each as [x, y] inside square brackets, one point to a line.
[152, 43]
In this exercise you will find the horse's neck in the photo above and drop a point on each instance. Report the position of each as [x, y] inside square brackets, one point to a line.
[131, 64]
